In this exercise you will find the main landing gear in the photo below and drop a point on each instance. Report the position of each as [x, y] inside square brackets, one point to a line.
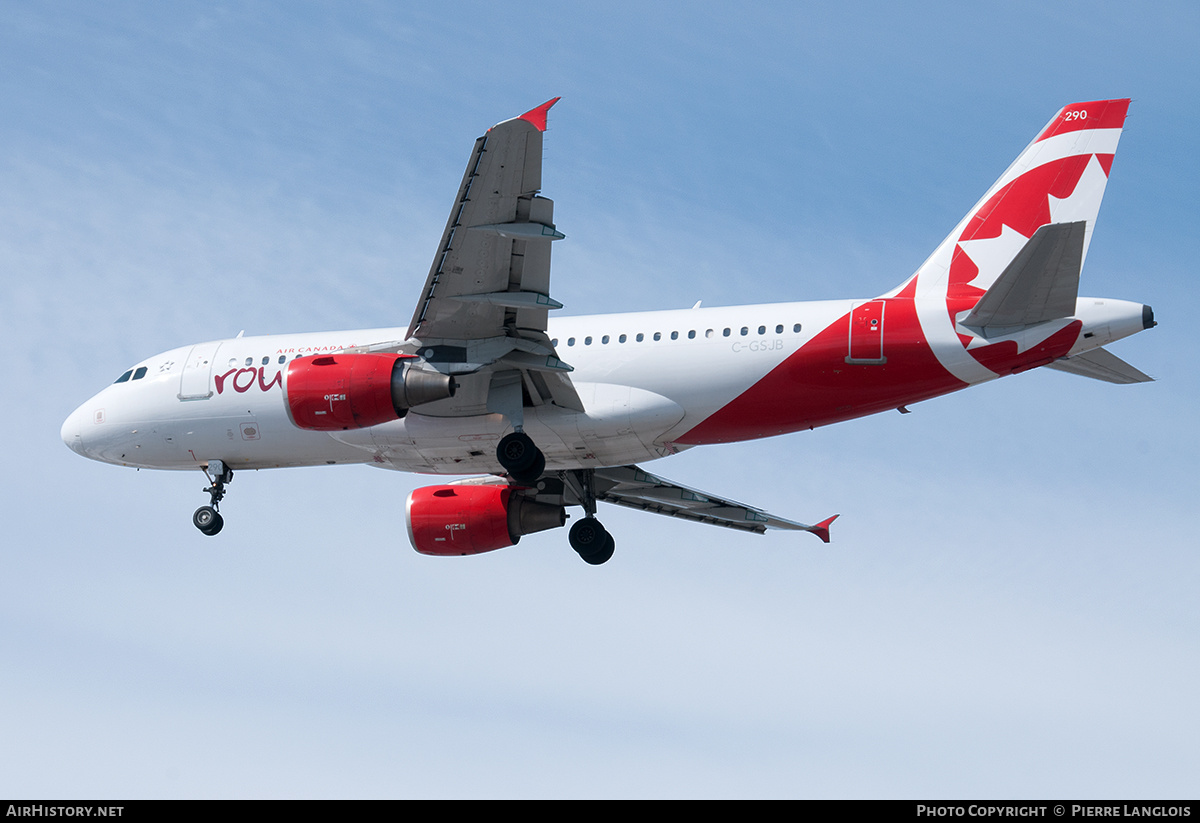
[208, 518]
[590, 540]
[521, 458]
[525, 464]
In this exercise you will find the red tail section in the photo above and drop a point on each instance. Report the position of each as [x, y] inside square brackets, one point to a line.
[911, 344]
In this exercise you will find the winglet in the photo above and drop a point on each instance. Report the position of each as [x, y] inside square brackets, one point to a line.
[538, 116]
[821, 530]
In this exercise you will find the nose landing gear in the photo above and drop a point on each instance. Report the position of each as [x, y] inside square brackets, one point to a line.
[208, 518]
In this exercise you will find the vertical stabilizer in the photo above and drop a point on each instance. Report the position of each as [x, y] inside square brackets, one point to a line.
[1058, 178]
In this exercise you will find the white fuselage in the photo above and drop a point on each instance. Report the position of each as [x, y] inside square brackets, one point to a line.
[646, 381]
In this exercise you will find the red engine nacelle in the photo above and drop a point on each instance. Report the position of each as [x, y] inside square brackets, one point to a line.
[465, 519]
[353, 391]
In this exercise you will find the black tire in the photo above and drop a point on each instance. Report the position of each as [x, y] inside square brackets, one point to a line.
[587, 536]
[517, 453]
[531, 474]
[601, 555]
[204, 517]
[208, 520]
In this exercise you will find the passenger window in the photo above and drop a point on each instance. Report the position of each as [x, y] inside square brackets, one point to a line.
[762, 329]
[779, 329]
[726, 332]
[554, 342]
[622, 339]
[745, 330]
[604, 339]
[570, 341]
[282, 359]
[796, 328]
[587, 341]
[640, 337]
[249, 361]
[674, 335]
[692, 334]
[657, 336]
[708, 334]
[124, 377]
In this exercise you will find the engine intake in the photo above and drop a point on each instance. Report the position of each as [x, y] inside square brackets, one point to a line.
[465, 519]
[353, 391]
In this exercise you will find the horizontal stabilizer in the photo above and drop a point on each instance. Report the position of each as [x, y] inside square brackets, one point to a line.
[1041, 283]
[1101, 364]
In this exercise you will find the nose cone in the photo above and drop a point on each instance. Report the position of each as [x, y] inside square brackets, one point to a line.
[72, 431]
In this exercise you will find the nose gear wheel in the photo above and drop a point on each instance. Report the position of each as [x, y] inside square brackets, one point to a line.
[208, 518]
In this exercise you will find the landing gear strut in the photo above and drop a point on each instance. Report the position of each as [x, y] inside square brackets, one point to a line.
[208, 518]
[588, 537]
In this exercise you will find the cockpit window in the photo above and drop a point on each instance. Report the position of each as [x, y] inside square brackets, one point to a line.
[132, 374]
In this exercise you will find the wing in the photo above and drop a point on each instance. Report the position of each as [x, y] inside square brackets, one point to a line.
[485, 304]
[634, 488]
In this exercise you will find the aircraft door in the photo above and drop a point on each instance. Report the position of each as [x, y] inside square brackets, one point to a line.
[196, 381]
[866, 333]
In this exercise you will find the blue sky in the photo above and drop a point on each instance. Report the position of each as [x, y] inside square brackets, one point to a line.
[1008, 608]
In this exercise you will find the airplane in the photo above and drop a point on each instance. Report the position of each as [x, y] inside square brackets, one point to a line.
[546, 414]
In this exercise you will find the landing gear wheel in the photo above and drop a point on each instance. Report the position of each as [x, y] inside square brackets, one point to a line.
[591, 541]
[531, 474]
[601, 555]
[208, 520]
[516, 452]
[521, 458]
